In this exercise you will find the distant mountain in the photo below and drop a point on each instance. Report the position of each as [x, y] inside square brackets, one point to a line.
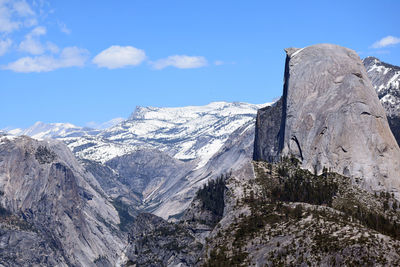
[186, 133]
[164, 155]
[157, 158]
[41, 130]
[386, 80]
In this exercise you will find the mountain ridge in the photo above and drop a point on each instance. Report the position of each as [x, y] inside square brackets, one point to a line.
[386, 80]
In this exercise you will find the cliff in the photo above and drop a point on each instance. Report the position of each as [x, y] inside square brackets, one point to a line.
[331, 118]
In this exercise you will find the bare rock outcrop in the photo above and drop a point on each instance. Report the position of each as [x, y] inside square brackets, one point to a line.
[332, 118]
[59, 205]
[266, 143]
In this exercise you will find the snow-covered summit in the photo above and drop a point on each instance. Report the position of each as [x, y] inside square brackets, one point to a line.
[384, 77]
[189, 112]
[386, 80]
[185, 133]
[41, 130]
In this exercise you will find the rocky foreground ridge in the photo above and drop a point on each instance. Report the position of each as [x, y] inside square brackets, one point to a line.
[274, 214]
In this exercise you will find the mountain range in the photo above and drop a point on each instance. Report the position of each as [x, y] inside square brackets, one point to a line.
[157, 157]
[179, 187]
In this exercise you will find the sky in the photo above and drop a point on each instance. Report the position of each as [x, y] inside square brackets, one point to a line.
[87, 62]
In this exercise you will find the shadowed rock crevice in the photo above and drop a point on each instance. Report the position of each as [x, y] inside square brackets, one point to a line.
[300, 153]
[284, 101]
[268, 132]
[271, 122]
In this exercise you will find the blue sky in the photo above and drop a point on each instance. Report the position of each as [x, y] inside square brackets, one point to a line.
[91, 61]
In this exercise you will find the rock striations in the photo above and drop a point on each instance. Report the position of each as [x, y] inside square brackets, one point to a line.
[332, 118]
[268, 125]
[48, 199]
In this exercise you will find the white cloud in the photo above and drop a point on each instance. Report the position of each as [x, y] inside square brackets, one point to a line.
[23, 8]
[40, 30]
[30, 22]
[32, 46]
[73, 57]
[180, 62]
[7, 25]
[218, 63]
[386, 41]
[14, 14]
[119, 56]
[69, 57]
[31, 43]
[53, 48]
[4, 46]
[64, 28]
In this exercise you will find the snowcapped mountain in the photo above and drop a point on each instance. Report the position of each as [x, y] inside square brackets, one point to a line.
[386, 80]
[158, 158]
[41, 130]
[185, 133]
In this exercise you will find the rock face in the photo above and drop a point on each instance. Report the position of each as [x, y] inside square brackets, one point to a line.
[58, 205]
[266, 142]
[149, 172]
[22, 245]
[332, 117]
[385, 79]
